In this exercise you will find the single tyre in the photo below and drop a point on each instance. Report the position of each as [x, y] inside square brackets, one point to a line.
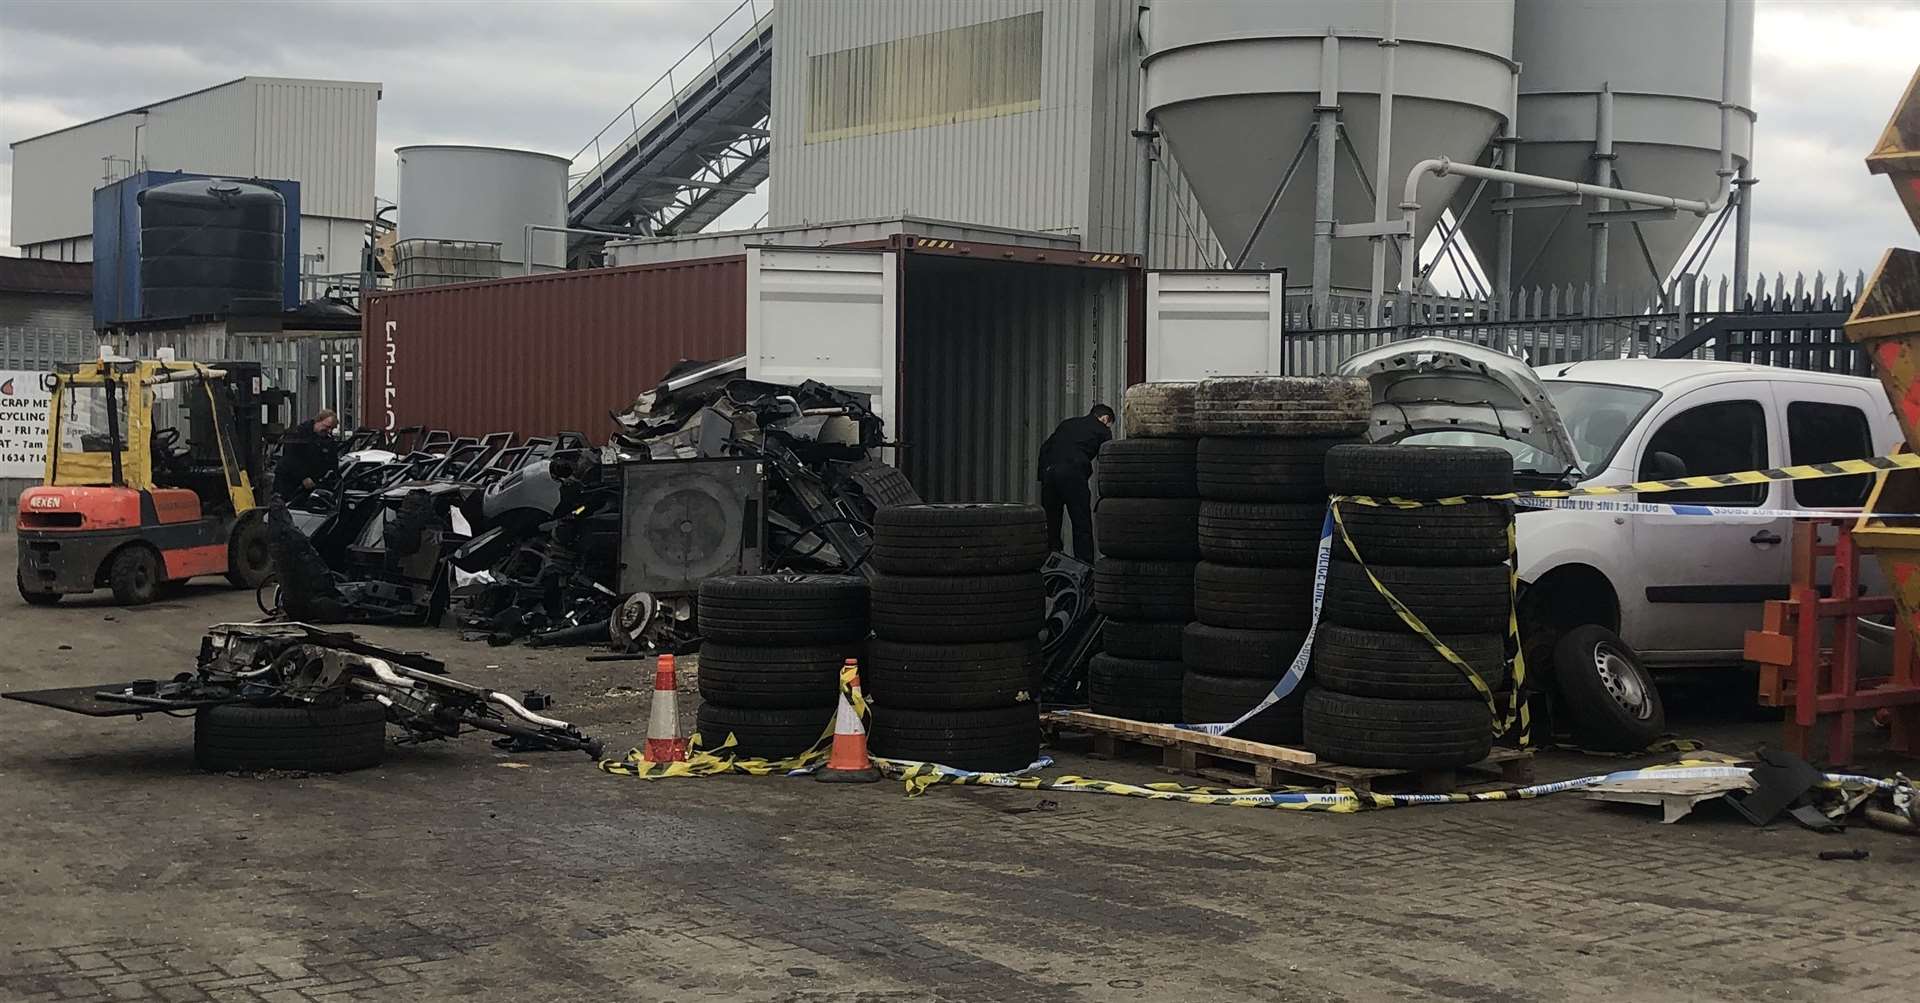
[762, 733]
[1253, 598]
[1419, 472]
[950, 676]
[1159, 411]
[1609, 697]
[1146, 468]
[1267, 406]
[321, 739]
[959, 610]
[1137, 689]
[1264, 469]
[783, 610]
[959, 539]
[1447, 600]
[33, 598]
[1141, 639]
[1211, 699]
[1261, 534]
[1447, 536]
[1397, 734]
[1243, 654]
[1143, 590]
[1148, 529]
[249, 558]
[750, 677]
[134, 574]
[1378, 663]
[1005, 738]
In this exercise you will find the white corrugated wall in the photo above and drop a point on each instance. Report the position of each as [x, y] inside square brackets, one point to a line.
[320, 133]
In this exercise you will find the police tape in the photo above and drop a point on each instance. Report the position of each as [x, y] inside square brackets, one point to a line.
[1795, 472]
[724, 758]
[1609, 506]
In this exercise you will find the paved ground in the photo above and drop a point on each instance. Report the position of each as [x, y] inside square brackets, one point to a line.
[457, 872]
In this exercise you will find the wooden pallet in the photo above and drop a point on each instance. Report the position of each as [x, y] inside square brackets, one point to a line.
[1276, 765]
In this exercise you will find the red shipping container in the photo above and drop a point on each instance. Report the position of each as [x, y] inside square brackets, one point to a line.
[541, 354]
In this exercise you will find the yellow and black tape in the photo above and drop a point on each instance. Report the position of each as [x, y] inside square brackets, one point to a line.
[718, 760]
[1796, 472]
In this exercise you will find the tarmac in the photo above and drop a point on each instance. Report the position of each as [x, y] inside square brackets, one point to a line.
[460, 872]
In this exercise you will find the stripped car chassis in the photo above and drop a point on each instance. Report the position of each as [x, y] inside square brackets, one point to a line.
[283, 664]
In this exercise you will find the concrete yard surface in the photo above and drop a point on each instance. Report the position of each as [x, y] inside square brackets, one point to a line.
[458, 872]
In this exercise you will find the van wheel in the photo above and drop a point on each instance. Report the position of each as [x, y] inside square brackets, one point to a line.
[249, 560]
[134, 574]
[1609, 697]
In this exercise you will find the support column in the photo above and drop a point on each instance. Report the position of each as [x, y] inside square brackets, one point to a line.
[1383, 160]
[1503, 249]
[1327, 114]
[1743, 231]
[1597, 230]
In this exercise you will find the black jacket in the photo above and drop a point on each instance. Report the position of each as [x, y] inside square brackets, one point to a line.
[304, 453]
[1073, 445]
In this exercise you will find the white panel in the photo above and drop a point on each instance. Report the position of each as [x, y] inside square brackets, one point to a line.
[321, 134]
[485, 194]
[827, 316]
[1202, 324]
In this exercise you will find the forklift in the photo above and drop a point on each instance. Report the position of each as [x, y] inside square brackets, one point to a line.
[150, 473]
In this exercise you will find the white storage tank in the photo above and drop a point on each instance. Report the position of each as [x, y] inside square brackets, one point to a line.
[488, 195]
[1662, 61]
[1233, 86]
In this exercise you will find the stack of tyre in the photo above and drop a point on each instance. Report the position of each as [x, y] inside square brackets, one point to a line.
[1260, 472]
[769, 669]
[958, 607]
[1148, 531]
[1383, 695]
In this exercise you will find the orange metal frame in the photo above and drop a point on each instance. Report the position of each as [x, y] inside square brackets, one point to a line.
[1812, 681]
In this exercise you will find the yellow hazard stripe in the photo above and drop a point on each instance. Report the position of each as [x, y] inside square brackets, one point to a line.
[1796, 472]
[717, 760]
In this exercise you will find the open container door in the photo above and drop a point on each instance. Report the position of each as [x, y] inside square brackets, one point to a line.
[826, 315]
[1215, 323]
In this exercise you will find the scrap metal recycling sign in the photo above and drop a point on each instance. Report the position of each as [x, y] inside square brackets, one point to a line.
[23, 424]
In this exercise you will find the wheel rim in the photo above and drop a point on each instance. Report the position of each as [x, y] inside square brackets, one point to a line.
[1625, 682]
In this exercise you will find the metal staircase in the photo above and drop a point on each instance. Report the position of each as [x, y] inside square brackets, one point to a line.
[689, 147]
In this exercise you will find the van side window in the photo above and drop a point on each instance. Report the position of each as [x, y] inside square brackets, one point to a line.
[1719, 438]
[1818, 433]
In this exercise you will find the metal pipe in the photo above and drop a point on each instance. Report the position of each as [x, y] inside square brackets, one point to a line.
[1328, 115]
[526, 260]
[1510, 160]
[1143, 135]
[520, 711]
[1597, 231]
[1389, 45]
[1743, 231]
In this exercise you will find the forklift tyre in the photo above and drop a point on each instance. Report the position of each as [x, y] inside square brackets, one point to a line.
[243, 737]
[134, 574]
[249, 559]
[34, 598]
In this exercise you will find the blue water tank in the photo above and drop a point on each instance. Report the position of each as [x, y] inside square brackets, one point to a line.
[119, 296]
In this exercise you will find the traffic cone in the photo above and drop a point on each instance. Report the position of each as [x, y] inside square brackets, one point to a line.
[848, 763]
[664, 742]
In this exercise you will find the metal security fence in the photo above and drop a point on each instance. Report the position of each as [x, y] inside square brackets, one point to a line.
[38, 348]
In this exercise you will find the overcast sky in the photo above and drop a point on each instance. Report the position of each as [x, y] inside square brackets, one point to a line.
[548, 75]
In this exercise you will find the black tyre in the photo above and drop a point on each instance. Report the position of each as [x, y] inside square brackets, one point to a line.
[959, 539]
[1378, 663]
[1397, 734]
[1143, 590]
[1436, 536]
[1141, 639]
[1608, 696]
[33, 598]
[1266, 406]
[1148, 529]
[135, 575]
[249, 558]
[751, 677]
[1243, 654]
[1146, 468]
[321, 739]
[950, 676]
[783, 609]
[1447, 600]
[959, 610]
[761, 733]
[1159, 411]
[1253, 598]
[1135, 688]
[1261, 534]
[1218, 699]
[1005, 738]
[1419, 472]
[1264, 469]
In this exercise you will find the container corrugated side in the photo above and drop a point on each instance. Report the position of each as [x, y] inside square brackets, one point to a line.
[545, 353]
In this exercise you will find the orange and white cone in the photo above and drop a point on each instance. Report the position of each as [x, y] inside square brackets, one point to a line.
[848, 762]
[664, 742]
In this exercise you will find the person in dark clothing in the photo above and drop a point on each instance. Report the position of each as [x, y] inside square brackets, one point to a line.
[306, 455]
[1066, 461]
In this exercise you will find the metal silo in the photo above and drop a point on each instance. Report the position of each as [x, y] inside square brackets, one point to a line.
[1628, 89]
[1239, 89]
[461, 195]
